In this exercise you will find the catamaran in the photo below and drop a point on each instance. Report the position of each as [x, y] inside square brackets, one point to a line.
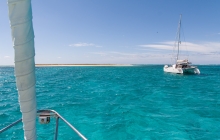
[181, 66]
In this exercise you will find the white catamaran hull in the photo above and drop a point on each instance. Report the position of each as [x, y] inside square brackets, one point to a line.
[181, 66]
[192, 70]
[174, 69]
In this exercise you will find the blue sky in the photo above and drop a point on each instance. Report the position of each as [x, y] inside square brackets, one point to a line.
[118, 31]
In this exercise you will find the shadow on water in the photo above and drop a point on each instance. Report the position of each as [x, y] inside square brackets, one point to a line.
[176, 74]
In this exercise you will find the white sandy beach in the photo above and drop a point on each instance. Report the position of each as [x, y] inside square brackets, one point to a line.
[72, 65]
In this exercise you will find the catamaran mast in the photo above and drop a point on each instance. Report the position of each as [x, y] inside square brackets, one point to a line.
[179, 37]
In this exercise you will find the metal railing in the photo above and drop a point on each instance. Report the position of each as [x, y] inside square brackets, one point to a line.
[44, 118]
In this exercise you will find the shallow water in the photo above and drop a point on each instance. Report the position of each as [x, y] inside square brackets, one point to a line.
[137, 102]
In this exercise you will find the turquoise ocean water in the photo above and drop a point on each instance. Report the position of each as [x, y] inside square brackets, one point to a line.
[120, 103]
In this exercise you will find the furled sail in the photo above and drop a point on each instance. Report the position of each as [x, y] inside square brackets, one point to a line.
[20, 15]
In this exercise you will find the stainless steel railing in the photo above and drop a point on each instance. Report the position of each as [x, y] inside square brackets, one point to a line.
[44, 118]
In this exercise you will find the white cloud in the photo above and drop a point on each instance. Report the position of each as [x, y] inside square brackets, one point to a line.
[6, 56]
[84, 45]
[160, 46]
[203, 52]
[129, 56]
[205, 47]
[161, 53]
[149, 57]
[100, 53]
[58, 57]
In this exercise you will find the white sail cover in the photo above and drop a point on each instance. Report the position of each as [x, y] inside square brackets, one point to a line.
[20, 15]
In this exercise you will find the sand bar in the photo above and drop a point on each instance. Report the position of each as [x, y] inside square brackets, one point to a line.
[72, 65]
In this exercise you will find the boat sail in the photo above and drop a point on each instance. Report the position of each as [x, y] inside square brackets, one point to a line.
[20, 15]
[181, 66]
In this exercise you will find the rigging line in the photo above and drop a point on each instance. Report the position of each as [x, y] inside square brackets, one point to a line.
[185, 44]
[175, 45]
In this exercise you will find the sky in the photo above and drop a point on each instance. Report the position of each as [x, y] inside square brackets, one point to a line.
[118, 31]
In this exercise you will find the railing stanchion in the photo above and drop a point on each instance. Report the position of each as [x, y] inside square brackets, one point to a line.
[57, 125]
